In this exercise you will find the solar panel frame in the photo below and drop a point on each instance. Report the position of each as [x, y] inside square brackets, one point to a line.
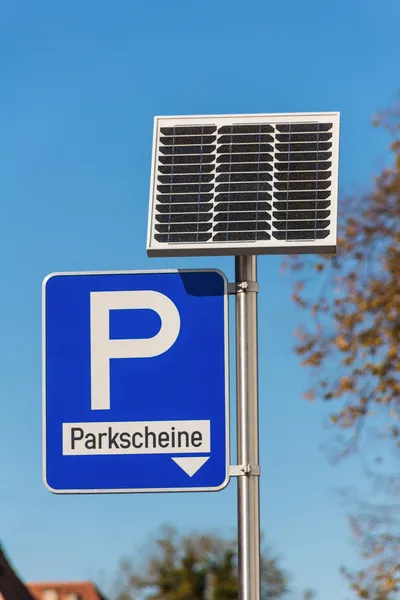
[272, 239]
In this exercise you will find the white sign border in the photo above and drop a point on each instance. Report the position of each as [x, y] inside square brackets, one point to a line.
[227, 384]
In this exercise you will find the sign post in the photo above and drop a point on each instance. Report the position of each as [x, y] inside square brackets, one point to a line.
[221, 185]
[247, 427]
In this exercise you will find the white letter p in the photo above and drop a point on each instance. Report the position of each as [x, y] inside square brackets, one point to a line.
[102, 348]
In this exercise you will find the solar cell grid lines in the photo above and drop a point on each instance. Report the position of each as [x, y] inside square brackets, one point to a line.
[244, 184]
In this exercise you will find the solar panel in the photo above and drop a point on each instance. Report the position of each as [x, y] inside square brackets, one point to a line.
[244, 184]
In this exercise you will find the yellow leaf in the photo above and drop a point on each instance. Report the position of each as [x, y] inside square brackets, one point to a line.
[346, 383]
[341, 343]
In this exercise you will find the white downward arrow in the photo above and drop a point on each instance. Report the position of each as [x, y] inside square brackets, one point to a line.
[191, 464]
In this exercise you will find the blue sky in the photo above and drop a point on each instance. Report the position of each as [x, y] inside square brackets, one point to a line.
[80, 85]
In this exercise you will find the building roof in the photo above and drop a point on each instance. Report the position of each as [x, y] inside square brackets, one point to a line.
[85, 590]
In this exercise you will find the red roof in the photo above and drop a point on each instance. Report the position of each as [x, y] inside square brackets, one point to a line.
[84, 589]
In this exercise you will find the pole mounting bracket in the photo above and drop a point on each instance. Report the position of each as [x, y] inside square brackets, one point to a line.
[244, 470]
[242, 286]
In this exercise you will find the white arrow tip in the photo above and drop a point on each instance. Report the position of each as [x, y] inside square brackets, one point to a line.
[191, 464]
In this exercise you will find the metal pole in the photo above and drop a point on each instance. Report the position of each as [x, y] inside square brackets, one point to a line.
[247, 427]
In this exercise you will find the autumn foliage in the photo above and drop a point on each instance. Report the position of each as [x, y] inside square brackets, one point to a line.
[350, 338]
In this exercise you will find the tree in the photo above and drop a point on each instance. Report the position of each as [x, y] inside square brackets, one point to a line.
[194, 567]
[351, 339]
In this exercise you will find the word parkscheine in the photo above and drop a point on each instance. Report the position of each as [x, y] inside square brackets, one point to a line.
[141, 437]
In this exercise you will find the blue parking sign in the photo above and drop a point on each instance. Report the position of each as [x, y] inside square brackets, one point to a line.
[136, 385]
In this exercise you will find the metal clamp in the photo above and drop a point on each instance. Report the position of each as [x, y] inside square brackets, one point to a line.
[244, 470]
[242, 286]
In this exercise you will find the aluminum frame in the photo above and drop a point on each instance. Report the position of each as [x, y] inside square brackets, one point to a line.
[272, 246]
